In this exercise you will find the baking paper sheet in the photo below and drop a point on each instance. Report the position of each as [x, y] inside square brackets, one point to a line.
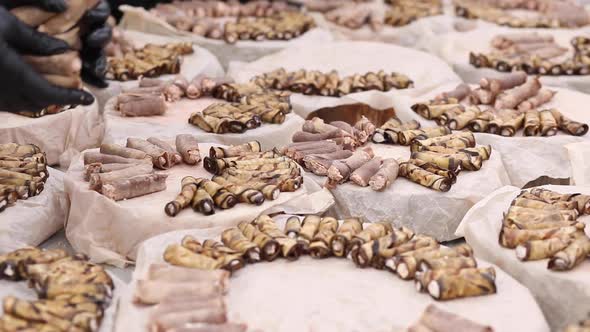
[334, 295]
[61, 136]
[525, 158]
[21, 291]
[111, 232]
[139, 19]
[563, 296]
[175, 121]
[30, 222]
[200, 62]
[350, 58]
[454, 48]
[579, 154]
[406, 203]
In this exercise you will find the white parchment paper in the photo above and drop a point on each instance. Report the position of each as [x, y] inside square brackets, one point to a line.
[563, 296]
[62, 136]
[350, 58]
[454, 48]
[525, 158]
[200, 62]
[111, 232]
[139, 19]
[423, 210]
[30, 222]
[21, 291]
[334, 295]
[175, 121]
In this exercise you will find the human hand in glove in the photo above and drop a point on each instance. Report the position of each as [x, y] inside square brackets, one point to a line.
[21, 87]
[96, 34]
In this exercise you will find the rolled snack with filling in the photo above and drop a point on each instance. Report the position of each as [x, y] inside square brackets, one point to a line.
[293, 227]
[484, 151]
[235, 150]
[552, 196]
[424, 177]
[434, 111]
[503, 82]
[269, 247]
[385, 176]
[481, 122]
[95, 157]
[118, 150]
[511, 125]
[373, 253]
[509, 99]
[407, 263]
[449, 115]
[349, 228]
[532, 123]
[447, 263]
[188, 191]
[153, 292]
[244, 193]
[417, 243]
[436, 319]
[141, 105]
[232, 260]
[446, 161]
[583, 203]
[320, 163]
[459, 93]
[371, 232]
[466, 283]
[160, 157]
[309, 228]
[569, 126]
[290, 249]
[175, 157]
[302, 136]
[575, 253]
[170, 273]
[548, 123]
[135, 186]
[188, 147]
[222, 197]
[320, 244]
[459, 140]
[363, 174]
[542, 97]
[105, 168]
[462, 120]
[524, 201]
[542, 249]
[234, 238]
[99, 179]
[178, 255]
[525, 218]
[341, 170]
[203, 202]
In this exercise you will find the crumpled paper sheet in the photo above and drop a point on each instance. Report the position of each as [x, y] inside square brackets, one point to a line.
[21, 291]
[30, 222]
[579, 154]
[525, 158]
[135, 18]
[563, 296]
[454, 48]
[200, 62]
[424, 210]
[334, 295]
[350, 58]
[175, 121]
[111, 232]
[62, 136]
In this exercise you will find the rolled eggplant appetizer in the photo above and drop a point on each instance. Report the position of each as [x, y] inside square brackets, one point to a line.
[575, 253]
[235, 150]
[548, 123]
[222, 197]
[371, 232]
[234, 239]
[513, 237]
[269, 247]
[462, 120]
[293, 227]
[542, 249]
[290, 249]
[349, 228]
[466, 283]
[407, 263]
[447, 263]
[373, 253]
[178, 255]
[459, 140]
[424, 177]
[320, 244]
[569, 126]
[417, 242]
[188, 192]
[232, 260]
[309, 228]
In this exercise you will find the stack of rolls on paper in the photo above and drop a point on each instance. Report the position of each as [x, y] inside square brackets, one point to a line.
[123, 172]
[183, 299]
[256, 21]
[550, 14]
[73, 294]
[23, 172]
[536, 54]
[313, 82]
[543, 224]
[500, 105]
[445, 273]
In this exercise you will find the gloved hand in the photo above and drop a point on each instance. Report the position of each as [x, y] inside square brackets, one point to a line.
[21, 88]
[56, 6]
[96, 34]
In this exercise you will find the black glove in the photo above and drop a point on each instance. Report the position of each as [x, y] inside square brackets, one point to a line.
[96, 34]
[21, 88]
[56, 6]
